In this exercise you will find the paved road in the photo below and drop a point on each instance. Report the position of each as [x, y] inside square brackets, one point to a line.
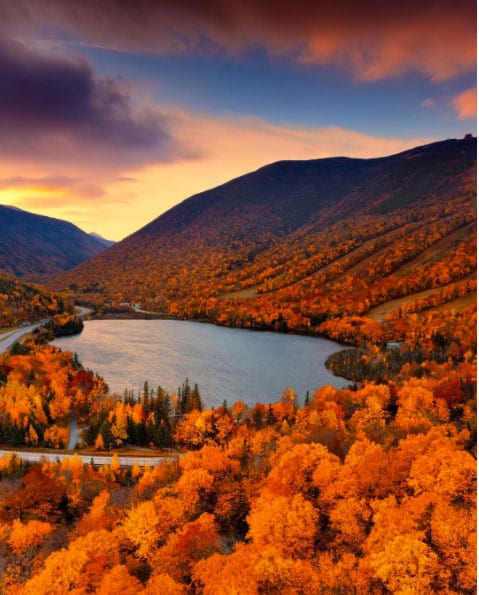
[8, 339]
[73, 431]
[52, 457]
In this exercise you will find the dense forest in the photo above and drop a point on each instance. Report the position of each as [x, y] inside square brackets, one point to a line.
[328, 247]
[368, 489]
[21, 302]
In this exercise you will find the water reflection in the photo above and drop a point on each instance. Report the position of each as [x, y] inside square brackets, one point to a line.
[229, 364]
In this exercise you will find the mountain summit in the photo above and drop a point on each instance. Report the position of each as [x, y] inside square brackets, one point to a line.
[285, 237]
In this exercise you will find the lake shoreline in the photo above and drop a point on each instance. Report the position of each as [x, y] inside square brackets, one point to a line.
[159, 316]
[226, 363]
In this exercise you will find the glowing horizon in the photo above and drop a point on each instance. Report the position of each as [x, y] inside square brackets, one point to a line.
[110, 126]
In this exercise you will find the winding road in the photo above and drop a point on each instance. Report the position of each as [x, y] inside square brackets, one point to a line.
[6, 341]
[9, 338]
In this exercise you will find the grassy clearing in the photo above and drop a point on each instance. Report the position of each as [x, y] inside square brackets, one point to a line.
[381, 311]
[460, 304]
[245, 294]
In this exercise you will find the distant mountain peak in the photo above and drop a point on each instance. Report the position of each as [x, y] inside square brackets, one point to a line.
[259, 235]
[32, 246]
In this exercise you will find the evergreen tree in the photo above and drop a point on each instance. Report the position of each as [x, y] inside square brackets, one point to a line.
[306, 399]
[270, 418]
[146, 398]
[257, 418]
[185, 397]
[196, 402]
[162, 406]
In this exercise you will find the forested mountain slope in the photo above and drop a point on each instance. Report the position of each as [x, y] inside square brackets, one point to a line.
[33, 245]
[339, 495]
[20, 302]
[304, 245]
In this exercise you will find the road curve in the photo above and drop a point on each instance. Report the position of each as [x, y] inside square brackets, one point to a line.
[73, 430]
[52, 457]
[8, 339]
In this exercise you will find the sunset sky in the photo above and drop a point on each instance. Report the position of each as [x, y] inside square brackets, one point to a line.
[113, 111]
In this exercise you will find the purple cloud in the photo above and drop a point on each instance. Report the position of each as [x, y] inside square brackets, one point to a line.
[57, 108]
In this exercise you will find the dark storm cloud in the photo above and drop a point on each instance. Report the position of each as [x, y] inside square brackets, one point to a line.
[55, 108]
[373, 38]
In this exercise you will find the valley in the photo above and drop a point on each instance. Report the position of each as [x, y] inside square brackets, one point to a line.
[264, 382]
[266, 465]
[278, 249]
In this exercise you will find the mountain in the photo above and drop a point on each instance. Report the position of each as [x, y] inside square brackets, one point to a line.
[33, 245]
[298, 243]
[102, 240]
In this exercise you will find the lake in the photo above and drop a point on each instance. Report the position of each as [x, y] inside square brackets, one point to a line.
[231, 364]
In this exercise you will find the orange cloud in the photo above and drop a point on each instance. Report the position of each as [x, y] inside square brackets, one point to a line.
[466, 104]
[373, 38]
[230, 147]
[429, 37]
[227, 147]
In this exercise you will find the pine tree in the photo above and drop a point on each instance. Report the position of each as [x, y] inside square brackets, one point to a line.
[196, 402]
[186, 397]
[307, 399]
[146, 398]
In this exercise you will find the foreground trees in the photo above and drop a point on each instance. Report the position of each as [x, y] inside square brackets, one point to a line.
[367, 489]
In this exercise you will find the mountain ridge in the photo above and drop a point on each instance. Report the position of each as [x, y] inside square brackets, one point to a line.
[276, 167]
[292, 230]
[32, 246]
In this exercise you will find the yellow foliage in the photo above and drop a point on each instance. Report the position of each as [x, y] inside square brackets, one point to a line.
[30, 534]
[56, 436]
[99, 442]
[289, 524]
[406, 565]
[140, 529]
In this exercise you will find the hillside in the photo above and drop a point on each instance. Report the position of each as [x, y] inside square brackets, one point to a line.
[34, 245]
[305, 245]
[20, 302]
[346, 489]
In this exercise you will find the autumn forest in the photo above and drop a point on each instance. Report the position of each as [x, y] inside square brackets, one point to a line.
[367, 489]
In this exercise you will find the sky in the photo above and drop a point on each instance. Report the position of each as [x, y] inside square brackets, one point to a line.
[113, 111]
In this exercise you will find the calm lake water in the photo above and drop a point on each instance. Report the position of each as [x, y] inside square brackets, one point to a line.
[226, 363]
